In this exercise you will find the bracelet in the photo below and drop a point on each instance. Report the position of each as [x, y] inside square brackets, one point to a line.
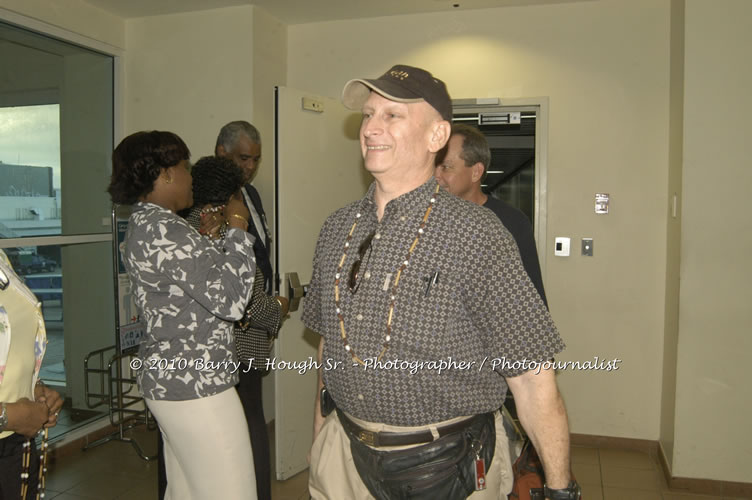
[279, 302]
[239, 217]
[3, 417]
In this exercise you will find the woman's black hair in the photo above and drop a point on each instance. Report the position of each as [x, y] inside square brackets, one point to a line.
[139, 159]
[215, 179]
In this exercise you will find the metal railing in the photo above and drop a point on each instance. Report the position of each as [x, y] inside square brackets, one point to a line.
[117, 388]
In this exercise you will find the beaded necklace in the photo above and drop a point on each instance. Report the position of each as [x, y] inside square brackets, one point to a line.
[26, 462]
[393, 291]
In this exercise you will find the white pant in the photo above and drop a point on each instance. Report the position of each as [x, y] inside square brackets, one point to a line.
[206, 448]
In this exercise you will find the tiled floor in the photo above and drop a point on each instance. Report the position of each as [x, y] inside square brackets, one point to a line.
[114, 471]
[623, 475]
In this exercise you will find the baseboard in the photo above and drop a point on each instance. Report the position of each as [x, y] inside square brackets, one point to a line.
[654, 449]
[703, 486]
[69, 446]
[589, 440]
[99, 429]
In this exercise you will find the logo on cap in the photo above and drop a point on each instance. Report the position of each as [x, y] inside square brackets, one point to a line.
[400, 75]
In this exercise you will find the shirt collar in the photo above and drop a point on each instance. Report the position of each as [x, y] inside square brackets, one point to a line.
[418, 198]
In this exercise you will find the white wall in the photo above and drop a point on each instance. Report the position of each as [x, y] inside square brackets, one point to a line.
[713, 393]
[73, 15]
[189, 74]
[605, 67]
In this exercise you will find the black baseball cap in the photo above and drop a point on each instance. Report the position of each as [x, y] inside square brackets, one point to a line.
[401, 84]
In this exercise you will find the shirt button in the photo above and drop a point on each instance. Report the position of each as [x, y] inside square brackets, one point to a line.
[360, 397]
[367, 274]
[359, 317]
[377, 236]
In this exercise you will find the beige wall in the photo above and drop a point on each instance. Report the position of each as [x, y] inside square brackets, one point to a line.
[599, 63]
[713, 393]
[72, 15]
[189, 74]
[673, 229]
[269, 70]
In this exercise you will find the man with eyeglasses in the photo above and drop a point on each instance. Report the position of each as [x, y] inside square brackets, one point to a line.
[422, 303]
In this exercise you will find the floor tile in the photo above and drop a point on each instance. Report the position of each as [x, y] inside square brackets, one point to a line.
[140, 489]
[68, 496]
[688, 496]
[587, 474]
[583, 455]
[627, 458]
[103, 486]
[629, 494]
[291, 489]
[591, 492]
[623, 477]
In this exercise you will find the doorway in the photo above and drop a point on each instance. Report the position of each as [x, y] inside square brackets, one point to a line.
[516, 130]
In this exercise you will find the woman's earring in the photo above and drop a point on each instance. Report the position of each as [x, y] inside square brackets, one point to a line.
[168, 180]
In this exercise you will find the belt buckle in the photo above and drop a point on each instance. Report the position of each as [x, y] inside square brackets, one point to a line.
[367, 437]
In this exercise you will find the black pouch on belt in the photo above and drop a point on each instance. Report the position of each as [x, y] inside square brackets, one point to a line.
[442, 469]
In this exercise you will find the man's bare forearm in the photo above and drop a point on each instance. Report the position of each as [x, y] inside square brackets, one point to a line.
[544, 417]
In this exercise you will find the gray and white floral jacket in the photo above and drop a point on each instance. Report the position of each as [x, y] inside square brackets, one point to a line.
[189, 292]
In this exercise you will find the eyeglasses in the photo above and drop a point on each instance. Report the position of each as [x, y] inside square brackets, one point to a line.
[364, 248]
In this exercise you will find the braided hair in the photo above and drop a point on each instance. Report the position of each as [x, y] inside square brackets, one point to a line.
[215, 180]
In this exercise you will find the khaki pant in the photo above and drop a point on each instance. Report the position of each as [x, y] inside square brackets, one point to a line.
[332, 475]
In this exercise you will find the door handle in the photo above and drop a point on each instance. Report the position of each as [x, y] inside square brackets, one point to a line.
[295, 291]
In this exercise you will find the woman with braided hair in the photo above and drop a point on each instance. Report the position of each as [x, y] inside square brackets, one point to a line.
[215, 181]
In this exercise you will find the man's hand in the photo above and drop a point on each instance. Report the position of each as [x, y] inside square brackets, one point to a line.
[542, 414]
[27, 417]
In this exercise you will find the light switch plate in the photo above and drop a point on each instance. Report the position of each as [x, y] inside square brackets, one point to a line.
[587, 247]
[313, 105]
[561, 246]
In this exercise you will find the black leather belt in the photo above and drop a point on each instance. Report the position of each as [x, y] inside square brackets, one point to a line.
[378, 439]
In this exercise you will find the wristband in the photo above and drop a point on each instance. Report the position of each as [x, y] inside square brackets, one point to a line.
[571, 492]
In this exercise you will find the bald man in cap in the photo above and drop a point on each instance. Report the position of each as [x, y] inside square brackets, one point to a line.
[426, 317]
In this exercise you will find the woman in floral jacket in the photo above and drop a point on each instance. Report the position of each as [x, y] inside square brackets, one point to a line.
[188, 292]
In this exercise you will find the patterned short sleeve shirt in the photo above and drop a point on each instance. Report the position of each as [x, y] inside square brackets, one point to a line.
[452, 343]
[189, 292]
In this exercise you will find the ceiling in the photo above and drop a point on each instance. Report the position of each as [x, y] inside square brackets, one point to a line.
[309, 11]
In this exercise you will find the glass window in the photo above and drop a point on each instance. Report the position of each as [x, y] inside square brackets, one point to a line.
[56, 140]
[30, 171]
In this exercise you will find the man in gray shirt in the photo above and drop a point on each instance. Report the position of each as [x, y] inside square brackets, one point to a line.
[426, 316]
